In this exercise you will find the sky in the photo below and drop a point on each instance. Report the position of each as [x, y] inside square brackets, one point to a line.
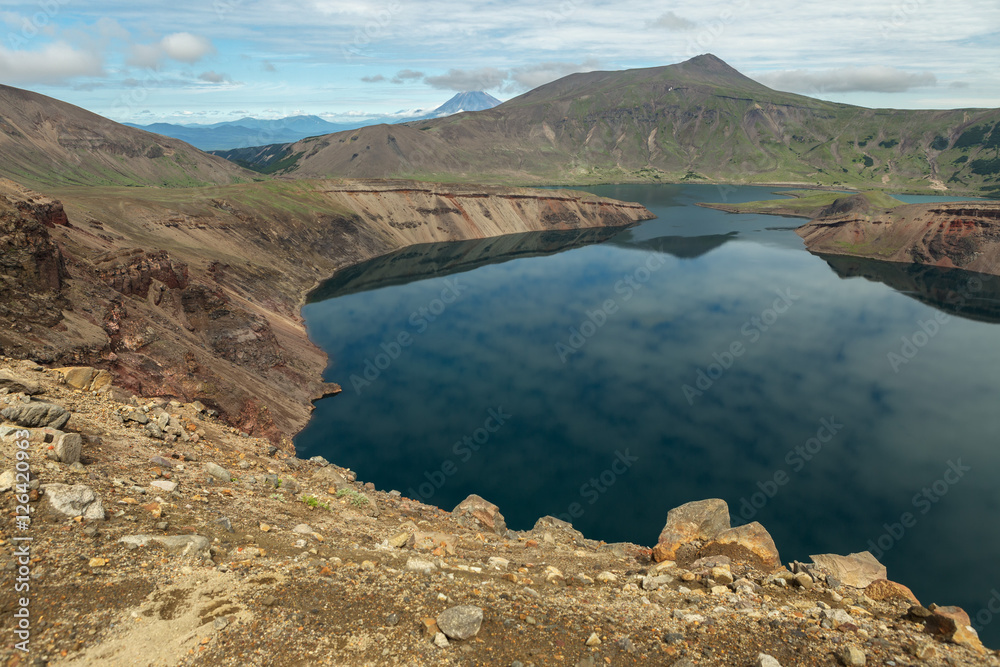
[204, 61]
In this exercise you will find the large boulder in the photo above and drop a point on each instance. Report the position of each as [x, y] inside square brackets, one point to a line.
[753, 538]
[16, 384]
[953, 624]
[698, 520]
[37, 414]
[74, 501]
[475, 513]
[85, 378]
[856, 570]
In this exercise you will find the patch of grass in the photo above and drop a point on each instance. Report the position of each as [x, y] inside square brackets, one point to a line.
[313, 501]
[355, 498]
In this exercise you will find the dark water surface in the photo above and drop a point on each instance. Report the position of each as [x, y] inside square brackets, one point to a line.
[845, 404]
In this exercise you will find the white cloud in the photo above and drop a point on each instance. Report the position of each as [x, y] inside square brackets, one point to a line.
[180, 46]
[871, 78]
[185, 47]
[54, 63]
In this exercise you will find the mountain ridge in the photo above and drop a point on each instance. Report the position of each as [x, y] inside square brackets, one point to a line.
[700, 120]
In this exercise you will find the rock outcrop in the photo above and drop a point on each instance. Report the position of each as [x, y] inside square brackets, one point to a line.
[962, 235]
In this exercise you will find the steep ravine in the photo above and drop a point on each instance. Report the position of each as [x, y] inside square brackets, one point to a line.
[195, 293]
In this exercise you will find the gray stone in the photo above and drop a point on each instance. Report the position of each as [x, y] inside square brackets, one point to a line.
[856, 570]
[838, 617]
[37, 414]
[271, 480]
[16, 384]
[328, 476]
[68, 447]
[440, 640]
[852, 656]
[650, 583]
[303, 529]
[164, 485]
[420, 566]
[225, 523]
[179, 545]
[78, 500]
[291, 485]
[137, 416]
[764, 660]
[461, 622]
[7, 480]
[218, 472]
[162, 462]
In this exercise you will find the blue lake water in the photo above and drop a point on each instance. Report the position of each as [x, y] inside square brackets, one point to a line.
[845, 404]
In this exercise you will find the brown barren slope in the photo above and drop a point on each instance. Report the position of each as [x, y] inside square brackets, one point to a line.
[46, 142]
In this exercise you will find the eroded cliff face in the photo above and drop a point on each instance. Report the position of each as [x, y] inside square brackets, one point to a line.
[195, 293]
[962, 235]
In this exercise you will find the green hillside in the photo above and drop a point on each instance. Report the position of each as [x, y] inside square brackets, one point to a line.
[700, 120]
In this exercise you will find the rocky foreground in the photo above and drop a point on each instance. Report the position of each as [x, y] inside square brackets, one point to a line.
[161, 536]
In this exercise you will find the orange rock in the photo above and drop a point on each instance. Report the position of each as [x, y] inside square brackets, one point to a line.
[754, 538]
[954, 625]
[884, 589]
[698, 520]
[430, 626]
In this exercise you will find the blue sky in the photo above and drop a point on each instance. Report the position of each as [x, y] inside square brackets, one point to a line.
[212, 60]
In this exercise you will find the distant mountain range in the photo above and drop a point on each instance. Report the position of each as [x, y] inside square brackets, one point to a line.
[700, 120]
[257, 131]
